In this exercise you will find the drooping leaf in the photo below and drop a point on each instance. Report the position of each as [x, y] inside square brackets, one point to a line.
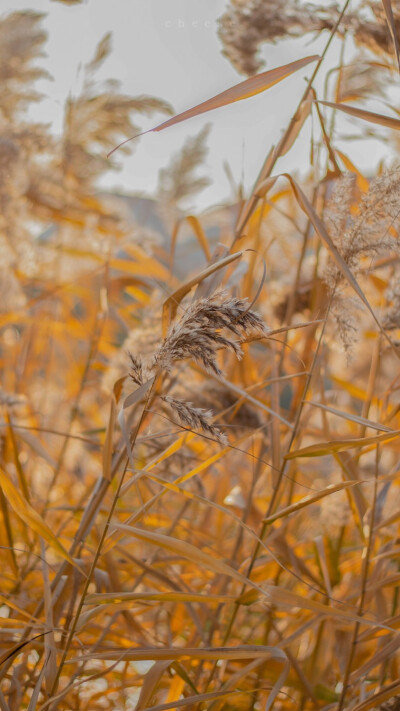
[249, 87]
[31, 517]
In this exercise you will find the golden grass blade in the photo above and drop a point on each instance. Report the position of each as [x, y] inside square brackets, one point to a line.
[35, 694]
[108, 443]
[174, 596]
[370, 116]
[310, 499]
[137, 394]
[17, 648]
[50, 663]
[171, 304]
[349, 416]
[199, 698]
[123, 601]
[285, 598]
[246, 396]
[184, 549]
[31, 518]
[341, 445]
[387, 6]
[35, 444]
[278, 654]
[379, 698]
[150, 683]
[297, 123]
[8, 533]
[241, 652]
[4, 600]
[201, 236]
[386, 651]
[244, 90]
[20, 472]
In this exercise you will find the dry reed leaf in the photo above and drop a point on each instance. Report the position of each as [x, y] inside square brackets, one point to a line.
[174, 596]
[379, 119]
[341, 445]
[195, 224]
[171, 304]
[249, 398]
[297, 123]
[149, 268]
[186, 550]
[36, 691]
[16, 648]
[114, 602]
[31, 517]
[6, 601]
[50, 664]
[108, 442]
[310, 499]
[207, 653]
[285, 598]
[349, 416]
[379, 698]
[244, 90]
[150, 683]
[197, 699]
[387, 5]
[384, 652]
[355, 391]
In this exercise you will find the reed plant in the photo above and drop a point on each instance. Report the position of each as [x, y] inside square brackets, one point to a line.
[199, 479]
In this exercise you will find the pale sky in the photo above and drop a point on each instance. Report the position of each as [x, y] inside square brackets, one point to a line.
[170, 49]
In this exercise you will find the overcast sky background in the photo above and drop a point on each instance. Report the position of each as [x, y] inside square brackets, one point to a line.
[170, 49]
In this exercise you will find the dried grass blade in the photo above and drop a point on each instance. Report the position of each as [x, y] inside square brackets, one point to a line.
[4, 600]
[297, 123]
[201, 236]
[17, 648]
[341, 445]
[31, 517]
[108, 443]
[310, 499]
[246, 396]
[150, 683]
[388, 650]
[174, 596]
[352, 418]
[35, 694]
[244, 90]
[376, 700]
[370, 116]
[8, 534]
[387, 6]
[35, 444]
[251, 651]
[50, 664]
[285, 598]
[211, 284]
[171, 304]
[184, 549]
[3, 703]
